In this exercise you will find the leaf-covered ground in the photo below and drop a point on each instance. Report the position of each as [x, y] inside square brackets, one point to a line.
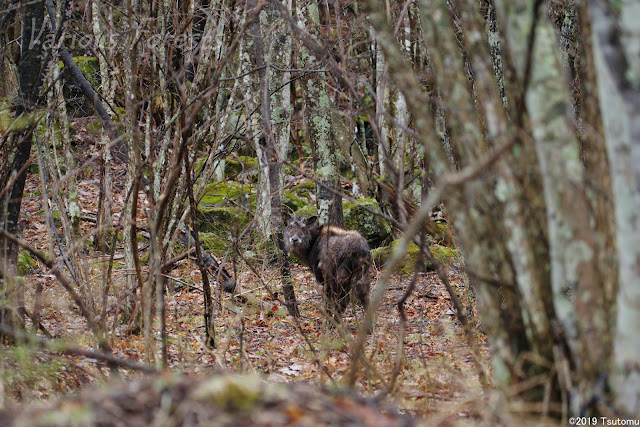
[254, 334]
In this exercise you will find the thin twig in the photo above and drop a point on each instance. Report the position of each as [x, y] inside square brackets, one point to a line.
[64, 281]
[415, 225]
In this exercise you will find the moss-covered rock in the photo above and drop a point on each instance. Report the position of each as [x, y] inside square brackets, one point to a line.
[222, 220]
[374, 228]
[292, 201]
[407, 265]
[307, 211]
[229, 193]
[235, 165]
[444, 254]
[25, 263]
[214, 243]
[305, 189]
[223, 213]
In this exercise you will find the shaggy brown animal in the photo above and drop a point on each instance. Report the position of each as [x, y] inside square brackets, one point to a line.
[339, 258]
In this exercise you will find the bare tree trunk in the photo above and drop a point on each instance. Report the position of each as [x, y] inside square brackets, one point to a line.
[615, 44]
[382, 105]
[320, 132]
[104, 222]
[573, 247]
[30, 77]
[271, 153]
[132, 183]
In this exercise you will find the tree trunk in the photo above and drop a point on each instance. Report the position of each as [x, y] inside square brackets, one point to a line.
[573, 245]
[30, 77]
[271, 154]
[615, 42]
[320, 134]
[104, 222]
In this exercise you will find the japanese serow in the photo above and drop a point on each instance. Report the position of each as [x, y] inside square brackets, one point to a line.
[339, 258]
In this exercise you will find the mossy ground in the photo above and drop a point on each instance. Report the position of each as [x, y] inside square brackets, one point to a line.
[407, 265]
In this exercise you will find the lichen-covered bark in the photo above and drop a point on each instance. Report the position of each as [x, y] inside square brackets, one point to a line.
[256, 80]
[481, 237]
[598, 172]
[104, 223]
[524, 216]
[574, 249]
[383, 104]
[320, 132]
[132, 186]
[615, 39]
[271, 153]
[279, 42]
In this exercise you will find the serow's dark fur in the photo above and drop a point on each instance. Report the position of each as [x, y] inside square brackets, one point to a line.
[339, 258]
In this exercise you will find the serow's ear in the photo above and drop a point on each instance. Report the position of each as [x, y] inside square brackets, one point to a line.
[311, 221]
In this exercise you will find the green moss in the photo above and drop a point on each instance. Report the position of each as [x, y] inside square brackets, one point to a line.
[117, 114]
[144, 258]
[293, 201]
[25, 263]
[214, 243]
[199, 164]
[222, 219]
[95, 127]
[305, 189]
[224, 212]
[444, 254]
[375, 229]
[236, 164]
[307, 210]
[104, 264]
[407, 265]
[228, 193]
[56, 128]
[10, 123]
[55, 213]
[90, 67]
[231, 393]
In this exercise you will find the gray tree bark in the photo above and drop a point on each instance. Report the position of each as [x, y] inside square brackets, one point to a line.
[320, 129]
[615, 45]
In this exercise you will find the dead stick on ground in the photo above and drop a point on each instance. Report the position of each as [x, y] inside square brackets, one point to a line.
[57, 346]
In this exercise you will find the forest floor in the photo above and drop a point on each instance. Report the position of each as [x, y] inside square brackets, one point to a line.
[436, 376]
